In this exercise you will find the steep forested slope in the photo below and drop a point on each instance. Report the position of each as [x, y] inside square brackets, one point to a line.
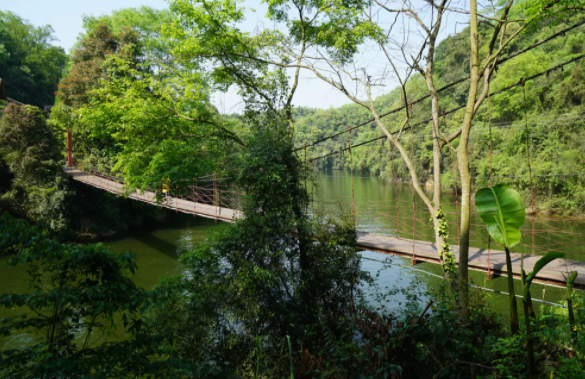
[553, 104]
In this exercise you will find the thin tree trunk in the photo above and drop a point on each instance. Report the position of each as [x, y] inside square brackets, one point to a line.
[463, 159]
[442, 244]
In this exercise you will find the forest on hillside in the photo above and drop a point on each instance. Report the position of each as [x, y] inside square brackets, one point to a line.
[547, 121]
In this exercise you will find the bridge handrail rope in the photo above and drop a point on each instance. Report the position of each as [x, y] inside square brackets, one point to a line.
[446, 87]
[507, 88]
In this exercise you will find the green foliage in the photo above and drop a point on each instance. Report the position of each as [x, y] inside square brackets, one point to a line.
[502, 210]
[34, 187]
[147, 22]
[30, 153]
[553, 104]
[30, 66]
[78, 295]
[87, 60]
[539, 265]
[446, 252]
[28, 144]
[510, 360]
[160, 125]
[135, 111]
[271, 275]
[206, 34]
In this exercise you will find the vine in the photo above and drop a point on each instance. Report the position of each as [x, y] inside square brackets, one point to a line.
[446, 253]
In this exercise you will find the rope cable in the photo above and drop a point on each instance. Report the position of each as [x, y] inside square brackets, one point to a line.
[511, 86]
[446, 87]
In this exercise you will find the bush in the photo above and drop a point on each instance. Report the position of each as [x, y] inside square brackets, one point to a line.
[79, 294]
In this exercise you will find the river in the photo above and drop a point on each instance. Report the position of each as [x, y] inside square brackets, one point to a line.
[377, 209]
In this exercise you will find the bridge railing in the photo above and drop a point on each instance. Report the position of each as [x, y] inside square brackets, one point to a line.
[209, 190]
[215, 192]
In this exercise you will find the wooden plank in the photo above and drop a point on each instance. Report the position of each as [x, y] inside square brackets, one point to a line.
[181, 205]
[554, 272]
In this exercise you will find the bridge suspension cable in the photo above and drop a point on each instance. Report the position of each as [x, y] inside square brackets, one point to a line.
[453, 110]
[446, 87]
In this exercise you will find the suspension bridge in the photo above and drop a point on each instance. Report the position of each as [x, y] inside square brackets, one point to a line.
[211, 198]
[208, 198]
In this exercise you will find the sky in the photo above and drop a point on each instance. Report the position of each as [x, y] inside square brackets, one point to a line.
[65, 17]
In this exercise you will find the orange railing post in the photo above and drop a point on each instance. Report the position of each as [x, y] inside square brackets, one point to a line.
[69, 149]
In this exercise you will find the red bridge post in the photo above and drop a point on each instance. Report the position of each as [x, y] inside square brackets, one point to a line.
[69, 149]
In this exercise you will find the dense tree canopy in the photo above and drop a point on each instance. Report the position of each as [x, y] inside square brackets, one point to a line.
[30, 66]
[135, 110]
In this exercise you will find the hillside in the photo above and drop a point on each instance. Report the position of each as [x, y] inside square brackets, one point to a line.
[554, 108]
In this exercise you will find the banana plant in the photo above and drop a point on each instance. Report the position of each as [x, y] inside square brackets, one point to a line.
[502, 210]
[570, 281]
[527, 282]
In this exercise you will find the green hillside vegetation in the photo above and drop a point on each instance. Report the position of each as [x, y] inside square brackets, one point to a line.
[30, 66]
[554, 107]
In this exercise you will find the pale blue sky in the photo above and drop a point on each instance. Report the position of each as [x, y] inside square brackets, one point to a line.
[65, 17]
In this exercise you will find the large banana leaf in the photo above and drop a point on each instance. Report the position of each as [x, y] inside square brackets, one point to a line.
[502, 209]
[546, 259]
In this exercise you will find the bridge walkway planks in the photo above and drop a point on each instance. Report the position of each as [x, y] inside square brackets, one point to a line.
[554, 272]
[181, 205]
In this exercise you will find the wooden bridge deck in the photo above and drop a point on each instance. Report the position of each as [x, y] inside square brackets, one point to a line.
[185, 206]
[554, 272]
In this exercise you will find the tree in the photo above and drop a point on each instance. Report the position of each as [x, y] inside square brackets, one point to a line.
[148, 23]
[265, 271]
[160, 123]
[30, 151]
[78, 293]
[30, 66]
[326, 38]
[87, 60]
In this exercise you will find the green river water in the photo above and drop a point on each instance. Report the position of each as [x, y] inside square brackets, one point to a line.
[157, 250]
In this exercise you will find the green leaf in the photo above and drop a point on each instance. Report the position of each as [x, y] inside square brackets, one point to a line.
[503, 211]
[546, 259]
[571, 279]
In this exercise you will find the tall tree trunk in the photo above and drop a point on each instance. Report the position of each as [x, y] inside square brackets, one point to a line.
[439, 222]
[432, 205]
[463, 158]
